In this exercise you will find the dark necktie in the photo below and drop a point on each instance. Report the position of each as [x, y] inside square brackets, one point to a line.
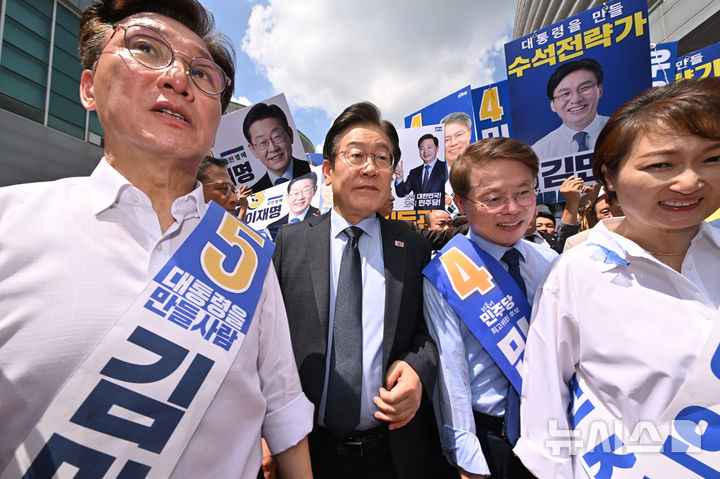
[512, 401]
[280, 181]
[581, 138]
[342, 408]
[426, 178]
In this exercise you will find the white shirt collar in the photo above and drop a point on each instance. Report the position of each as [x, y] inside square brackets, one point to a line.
[287, 175]
[369, 225]
[495, 250]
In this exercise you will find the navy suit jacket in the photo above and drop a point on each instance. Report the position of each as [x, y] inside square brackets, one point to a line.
[436, 182]
[302, 261]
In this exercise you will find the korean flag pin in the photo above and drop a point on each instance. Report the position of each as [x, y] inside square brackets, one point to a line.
[399, 244]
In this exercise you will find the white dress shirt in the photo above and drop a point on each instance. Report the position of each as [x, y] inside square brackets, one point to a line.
[468, 378]
[74, 254]
[373, 310]
[633, 332]
[560, 142]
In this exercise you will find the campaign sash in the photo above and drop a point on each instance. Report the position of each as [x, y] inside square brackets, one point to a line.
[131, 407]
[472, 281]
[685, 442]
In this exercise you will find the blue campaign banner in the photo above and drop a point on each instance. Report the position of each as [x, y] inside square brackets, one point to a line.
[566, 79]
[486, 299]
[699, 64]
[662, 63]
[491, 104]
[223, 273]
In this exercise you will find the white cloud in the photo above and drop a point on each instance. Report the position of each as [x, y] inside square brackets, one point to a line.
[243, 100]
[399, 55]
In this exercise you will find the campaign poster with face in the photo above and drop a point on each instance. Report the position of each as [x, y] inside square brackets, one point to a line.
[288, 203]
[421, 173]
[566, 79]
[261, 144]
[455, 112]
[699, 64]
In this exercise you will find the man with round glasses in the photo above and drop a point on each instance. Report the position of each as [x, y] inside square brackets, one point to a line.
[574, 90]
[351, 284]
[270, 139]
[159, 78]
[477, 293]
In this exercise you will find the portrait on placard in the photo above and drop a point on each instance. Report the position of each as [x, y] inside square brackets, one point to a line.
[421, 173]
[261, 144]
[566, 79]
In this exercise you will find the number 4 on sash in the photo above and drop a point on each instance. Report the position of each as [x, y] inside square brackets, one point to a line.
[464, 275]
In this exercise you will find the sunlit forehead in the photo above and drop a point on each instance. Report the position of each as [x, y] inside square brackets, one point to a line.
[181, 38]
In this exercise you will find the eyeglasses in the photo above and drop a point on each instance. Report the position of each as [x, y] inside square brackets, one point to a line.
[496, 204]
[226, 187]
[152, 50]
[307, 191]
[277, 140]
[457, 136]
[357, 157]
[582, 91]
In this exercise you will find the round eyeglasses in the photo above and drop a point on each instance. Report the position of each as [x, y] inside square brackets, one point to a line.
[496, 204]
[152, 50]
[357, 157]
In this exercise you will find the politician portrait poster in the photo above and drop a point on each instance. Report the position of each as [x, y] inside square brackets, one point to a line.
[421, 173]
[262, 145]
[566, 79]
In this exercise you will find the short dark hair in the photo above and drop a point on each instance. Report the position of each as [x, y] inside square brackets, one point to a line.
[363, 113]
[97, 21]
[307, 176]
[261, 111]
[546, 214]
[428, 136]
[485, 151]
[206, 163]
[565, 69]
[687, 107]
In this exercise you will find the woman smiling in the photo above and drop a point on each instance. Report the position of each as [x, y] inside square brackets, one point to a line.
[626, 323]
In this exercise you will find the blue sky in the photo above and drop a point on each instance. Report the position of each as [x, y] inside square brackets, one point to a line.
[327, 54]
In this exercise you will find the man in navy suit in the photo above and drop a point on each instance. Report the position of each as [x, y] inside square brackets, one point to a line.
[352, 286]
[426, 178]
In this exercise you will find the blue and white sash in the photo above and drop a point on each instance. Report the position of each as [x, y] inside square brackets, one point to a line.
[684, 443]
[487, 299]
[131, 407]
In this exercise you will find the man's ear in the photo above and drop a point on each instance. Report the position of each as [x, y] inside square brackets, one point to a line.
[552, 106]
[600, 91]
[290, 135]
[327, 172]
[458, 203]
[87, 90]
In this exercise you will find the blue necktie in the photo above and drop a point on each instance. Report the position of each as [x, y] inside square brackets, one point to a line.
[426, 178]
[512, 400]
[280, 181]
[294, 220]
[342, 407]
[581, 138]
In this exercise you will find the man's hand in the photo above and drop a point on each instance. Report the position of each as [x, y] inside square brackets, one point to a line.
[399, 171]
[243, 193]
[400, 401]
[571, 189]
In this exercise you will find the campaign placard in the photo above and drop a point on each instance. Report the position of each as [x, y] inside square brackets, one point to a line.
[491, 104]
[456, 112]
[421, 173]
[566, 79]
[279, 205]
[261, 144]
[662, 63]
[699, 64]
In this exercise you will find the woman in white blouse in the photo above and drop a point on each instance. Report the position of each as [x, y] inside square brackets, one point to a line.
[622, 320]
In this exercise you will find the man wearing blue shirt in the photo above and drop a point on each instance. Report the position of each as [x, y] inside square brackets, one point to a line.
[494, 186]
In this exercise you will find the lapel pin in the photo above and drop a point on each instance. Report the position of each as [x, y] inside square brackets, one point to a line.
[399, 244]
